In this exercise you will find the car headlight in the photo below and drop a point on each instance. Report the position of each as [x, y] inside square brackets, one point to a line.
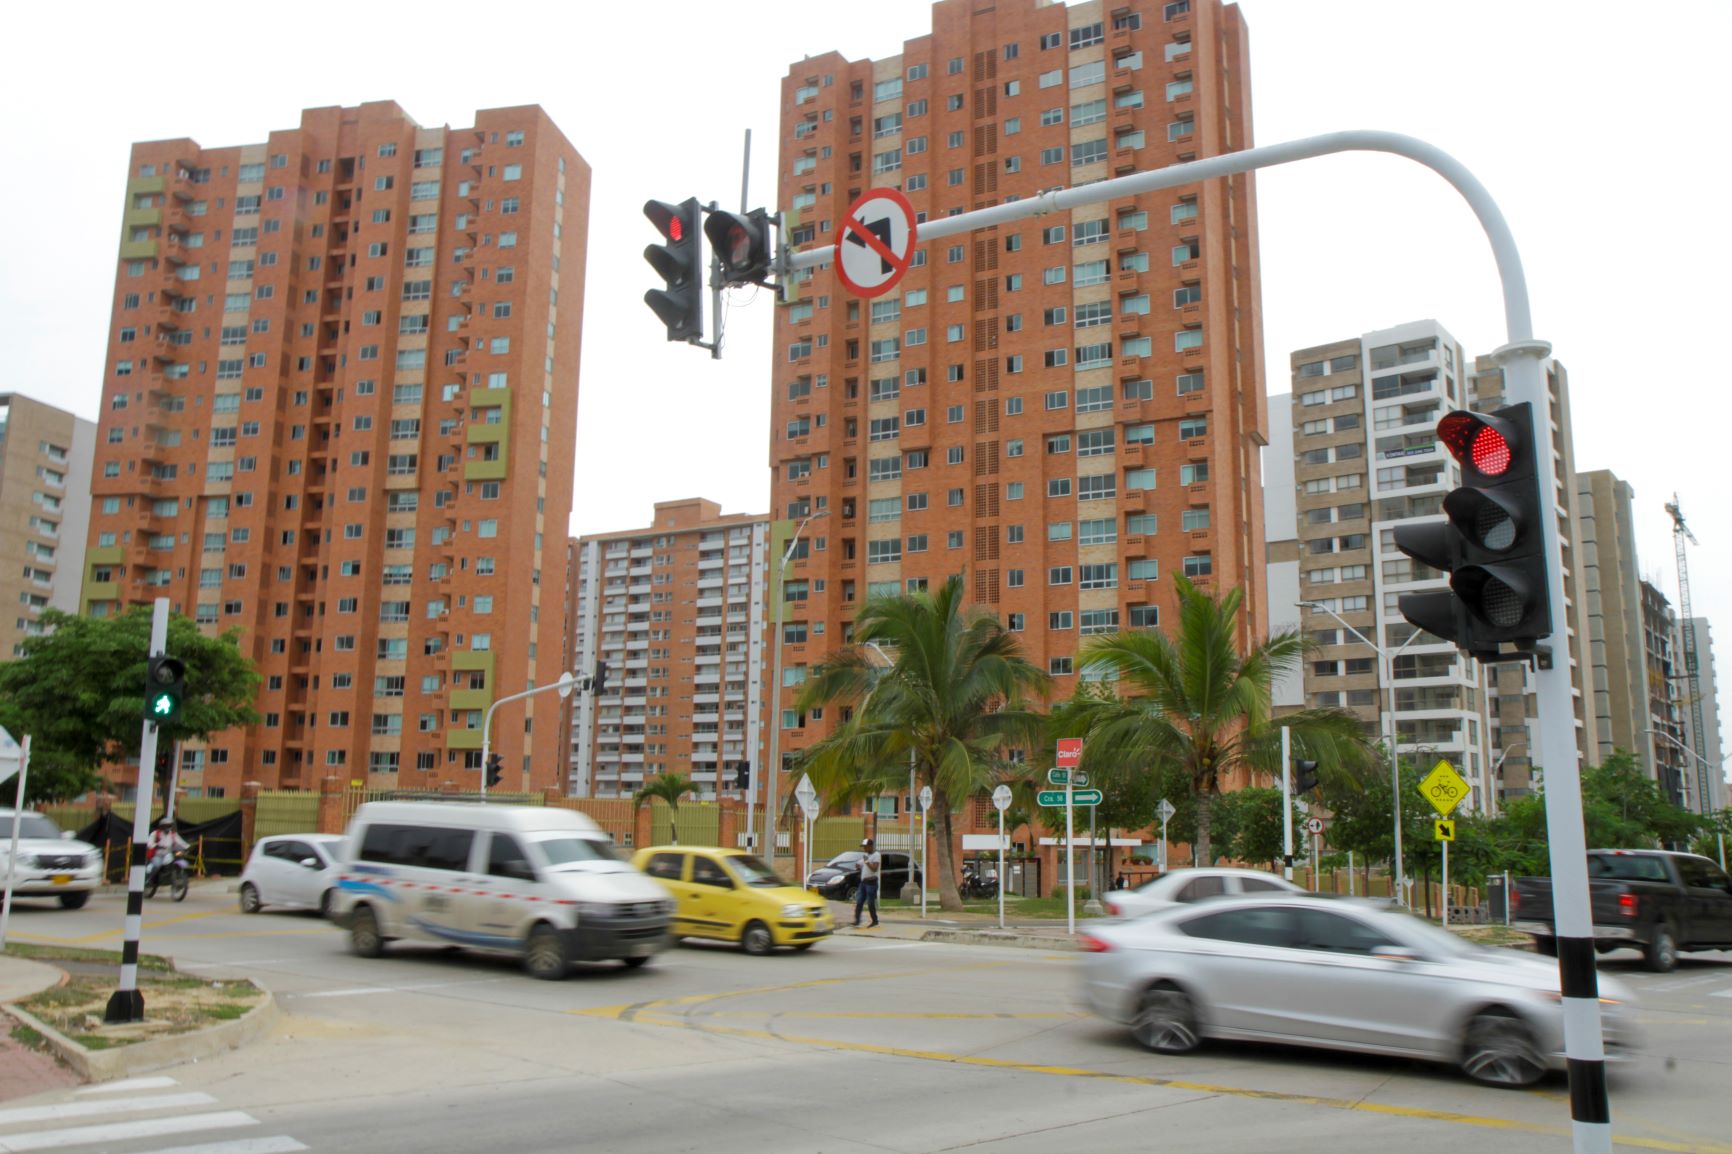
[791, 910]
[837, 880]
[28, 861]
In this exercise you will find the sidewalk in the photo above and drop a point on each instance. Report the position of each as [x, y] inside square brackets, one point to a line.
[905, 924]
[21, 977]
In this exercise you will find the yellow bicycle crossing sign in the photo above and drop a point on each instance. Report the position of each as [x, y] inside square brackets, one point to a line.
[1443, 788]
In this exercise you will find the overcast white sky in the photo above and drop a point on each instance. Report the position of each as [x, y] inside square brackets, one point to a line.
[1566, 111]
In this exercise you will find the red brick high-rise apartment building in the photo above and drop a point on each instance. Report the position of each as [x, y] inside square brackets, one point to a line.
[338, 414]
[1068, 410]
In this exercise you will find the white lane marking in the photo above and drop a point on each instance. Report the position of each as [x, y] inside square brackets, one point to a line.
[225, 965]
[98, 1106]
[896, 946]
[1726, 993]
[123, 1131]
[124, 1085]
[281, 1144]
[359, 990]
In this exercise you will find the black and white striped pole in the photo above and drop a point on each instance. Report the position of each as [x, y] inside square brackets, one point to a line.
[127, 1004]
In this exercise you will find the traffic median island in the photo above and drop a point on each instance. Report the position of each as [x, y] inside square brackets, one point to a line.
[186, 1016]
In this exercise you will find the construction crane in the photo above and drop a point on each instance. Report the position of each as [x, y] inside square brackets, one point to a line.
[1680, 534]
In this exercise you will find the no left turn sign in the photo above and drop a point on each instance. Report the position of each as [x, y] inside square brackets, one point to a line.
[875, 244]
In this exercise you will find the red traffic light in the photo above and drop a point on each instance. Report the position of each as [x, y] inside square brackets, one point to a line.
[1475, 442]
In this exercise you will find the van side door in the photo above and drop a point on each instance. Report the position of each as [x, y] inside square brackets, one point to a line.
[499, 894]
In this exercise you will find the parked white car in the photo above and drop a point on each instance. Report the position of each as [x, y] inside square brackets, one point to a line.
[296, 871]
[51, 864]
[1181, 887]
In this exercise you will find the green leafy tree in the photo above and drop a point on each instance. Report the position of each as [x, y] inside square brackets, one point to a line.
[953, 698]
[669, 787]
[1261, 834]
[1196, 701]
[78, 691]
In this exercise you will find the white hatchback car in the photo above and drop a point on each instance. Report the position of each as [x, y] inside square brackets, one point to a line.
[1181, 887]
[292, 870]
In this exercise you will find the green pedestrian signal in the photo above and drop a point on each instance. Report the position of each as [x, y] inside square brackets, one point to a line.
[165, 686]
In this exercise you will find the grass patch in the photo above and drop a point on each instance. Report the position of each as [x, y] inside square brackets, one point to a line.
[78, 954]
[25, 1036]
[174, 1003]
[1495, 936]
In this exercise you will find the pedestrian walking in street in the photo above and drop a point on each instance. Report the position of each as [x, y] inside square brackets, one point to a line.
[866, 897]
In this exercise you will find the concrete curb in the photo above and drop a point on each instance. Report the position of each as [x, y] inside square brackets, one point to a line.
[125, 1061]
[999, 938]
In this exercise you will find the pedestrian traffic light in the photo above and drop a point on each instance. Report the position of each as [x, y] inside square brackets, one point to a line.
[742, 243]
[495, 769]
[164, 687]
[1304, 776]
[679, 262]
[1492, 542]
[598, 683]
[743, 775]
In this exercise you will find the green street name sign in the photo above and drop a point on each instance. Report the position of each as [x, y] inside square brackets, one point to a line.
[1055, 797]
[1073, 776]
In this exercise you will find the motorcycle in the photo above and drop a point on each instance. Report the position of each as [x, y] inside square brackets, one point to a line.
[978, 883]
[179, 872]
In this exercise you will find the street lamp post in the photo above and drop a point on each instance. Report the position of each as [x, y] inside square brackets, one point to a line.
[768, 773]
[566, 683]
[1703, 762]
[1386, 662]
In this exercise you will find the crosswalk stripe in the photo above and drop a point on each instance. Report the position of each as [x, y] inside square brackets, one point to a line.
[95, 1107]
[125, 1085]
[281, 1144]
[1726, 993]
[123, 1131]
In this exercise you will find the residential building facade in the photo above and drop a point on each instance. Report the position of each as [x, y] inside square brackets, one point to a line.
[677, 611]
[1067, 410]
[45, 463]
[1617, 645]
[338, 415]
[1710, 770]
[1664, 666]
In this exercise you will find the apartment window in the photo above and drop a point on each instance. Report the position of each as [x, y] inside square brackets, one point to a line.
[1098, 487]
[1058, 575]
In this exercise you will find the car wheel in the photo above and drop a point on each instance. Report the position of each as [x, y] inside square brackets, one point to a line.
[636, 963]
[756, 939]
[74, 901]
[1661, 952]
[364, 936]
[544, 954]
[325, 900]
[848, 892]
[1166, 1021]
[1498, 1050]
[1546, 947]
[250, 898]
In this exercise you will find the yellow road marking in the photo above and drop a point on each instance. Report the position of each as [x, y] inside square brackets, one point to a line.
[650, 1013]
[120, 931]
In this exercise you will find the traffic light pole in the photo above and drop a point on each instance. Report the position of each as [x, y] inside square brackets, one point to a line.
[127, 1004]
[563, 686]
[1521, 360]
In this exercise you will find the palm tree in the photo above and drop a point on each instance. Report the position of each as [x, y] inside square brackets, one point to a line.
[670, 787]
[931, 684]
[1196, 703]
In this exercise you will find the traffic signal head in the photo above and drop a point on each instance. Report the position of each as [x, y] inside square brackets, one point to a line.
[164, 688]
[1304, 776]
[495, 769]
[598, 683]
[679, 262]
[742, 244]
[1492, 543]
[743, 775]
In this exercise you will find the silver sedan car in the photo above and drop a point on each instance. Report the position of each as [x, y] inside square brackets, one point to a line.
[1313, 971]
[1180, 887]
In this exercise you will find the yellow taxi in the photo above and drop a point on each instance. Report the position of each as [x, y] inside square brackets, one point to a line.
[732, 896]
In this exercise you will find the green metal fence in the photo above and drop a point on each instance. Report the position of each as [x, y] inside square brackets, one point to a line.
[834, 835]
[699, 823]
[285, 811]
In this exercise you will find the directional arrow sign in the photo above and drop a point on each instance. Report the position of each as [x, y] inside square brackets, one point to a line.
[1055, 797]
[1060, 776]
[875, 244]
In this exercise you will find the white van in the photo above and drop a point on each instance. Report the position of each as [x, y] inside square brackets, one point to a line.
[543, 882]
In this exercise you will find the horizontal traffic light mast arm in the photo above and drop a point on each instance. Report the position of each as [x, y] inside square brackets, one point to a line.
[1516, 314]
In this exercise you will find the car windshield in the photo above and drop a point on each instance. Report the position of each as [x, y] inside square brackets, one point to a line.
[852, 857]
[1627, 867]
[30, 825]
[754, 872]
[568, 850]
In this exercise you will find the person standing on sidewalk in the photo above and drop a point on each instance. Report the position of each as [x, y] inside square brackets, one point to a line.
[871, 869]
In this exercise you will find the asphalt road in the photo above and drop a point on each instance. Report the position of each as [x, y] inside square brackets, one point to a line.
[863, 1044]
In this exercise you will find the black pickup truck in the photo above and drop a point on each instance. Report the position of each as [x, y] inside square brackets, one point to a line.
[1653, 900]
